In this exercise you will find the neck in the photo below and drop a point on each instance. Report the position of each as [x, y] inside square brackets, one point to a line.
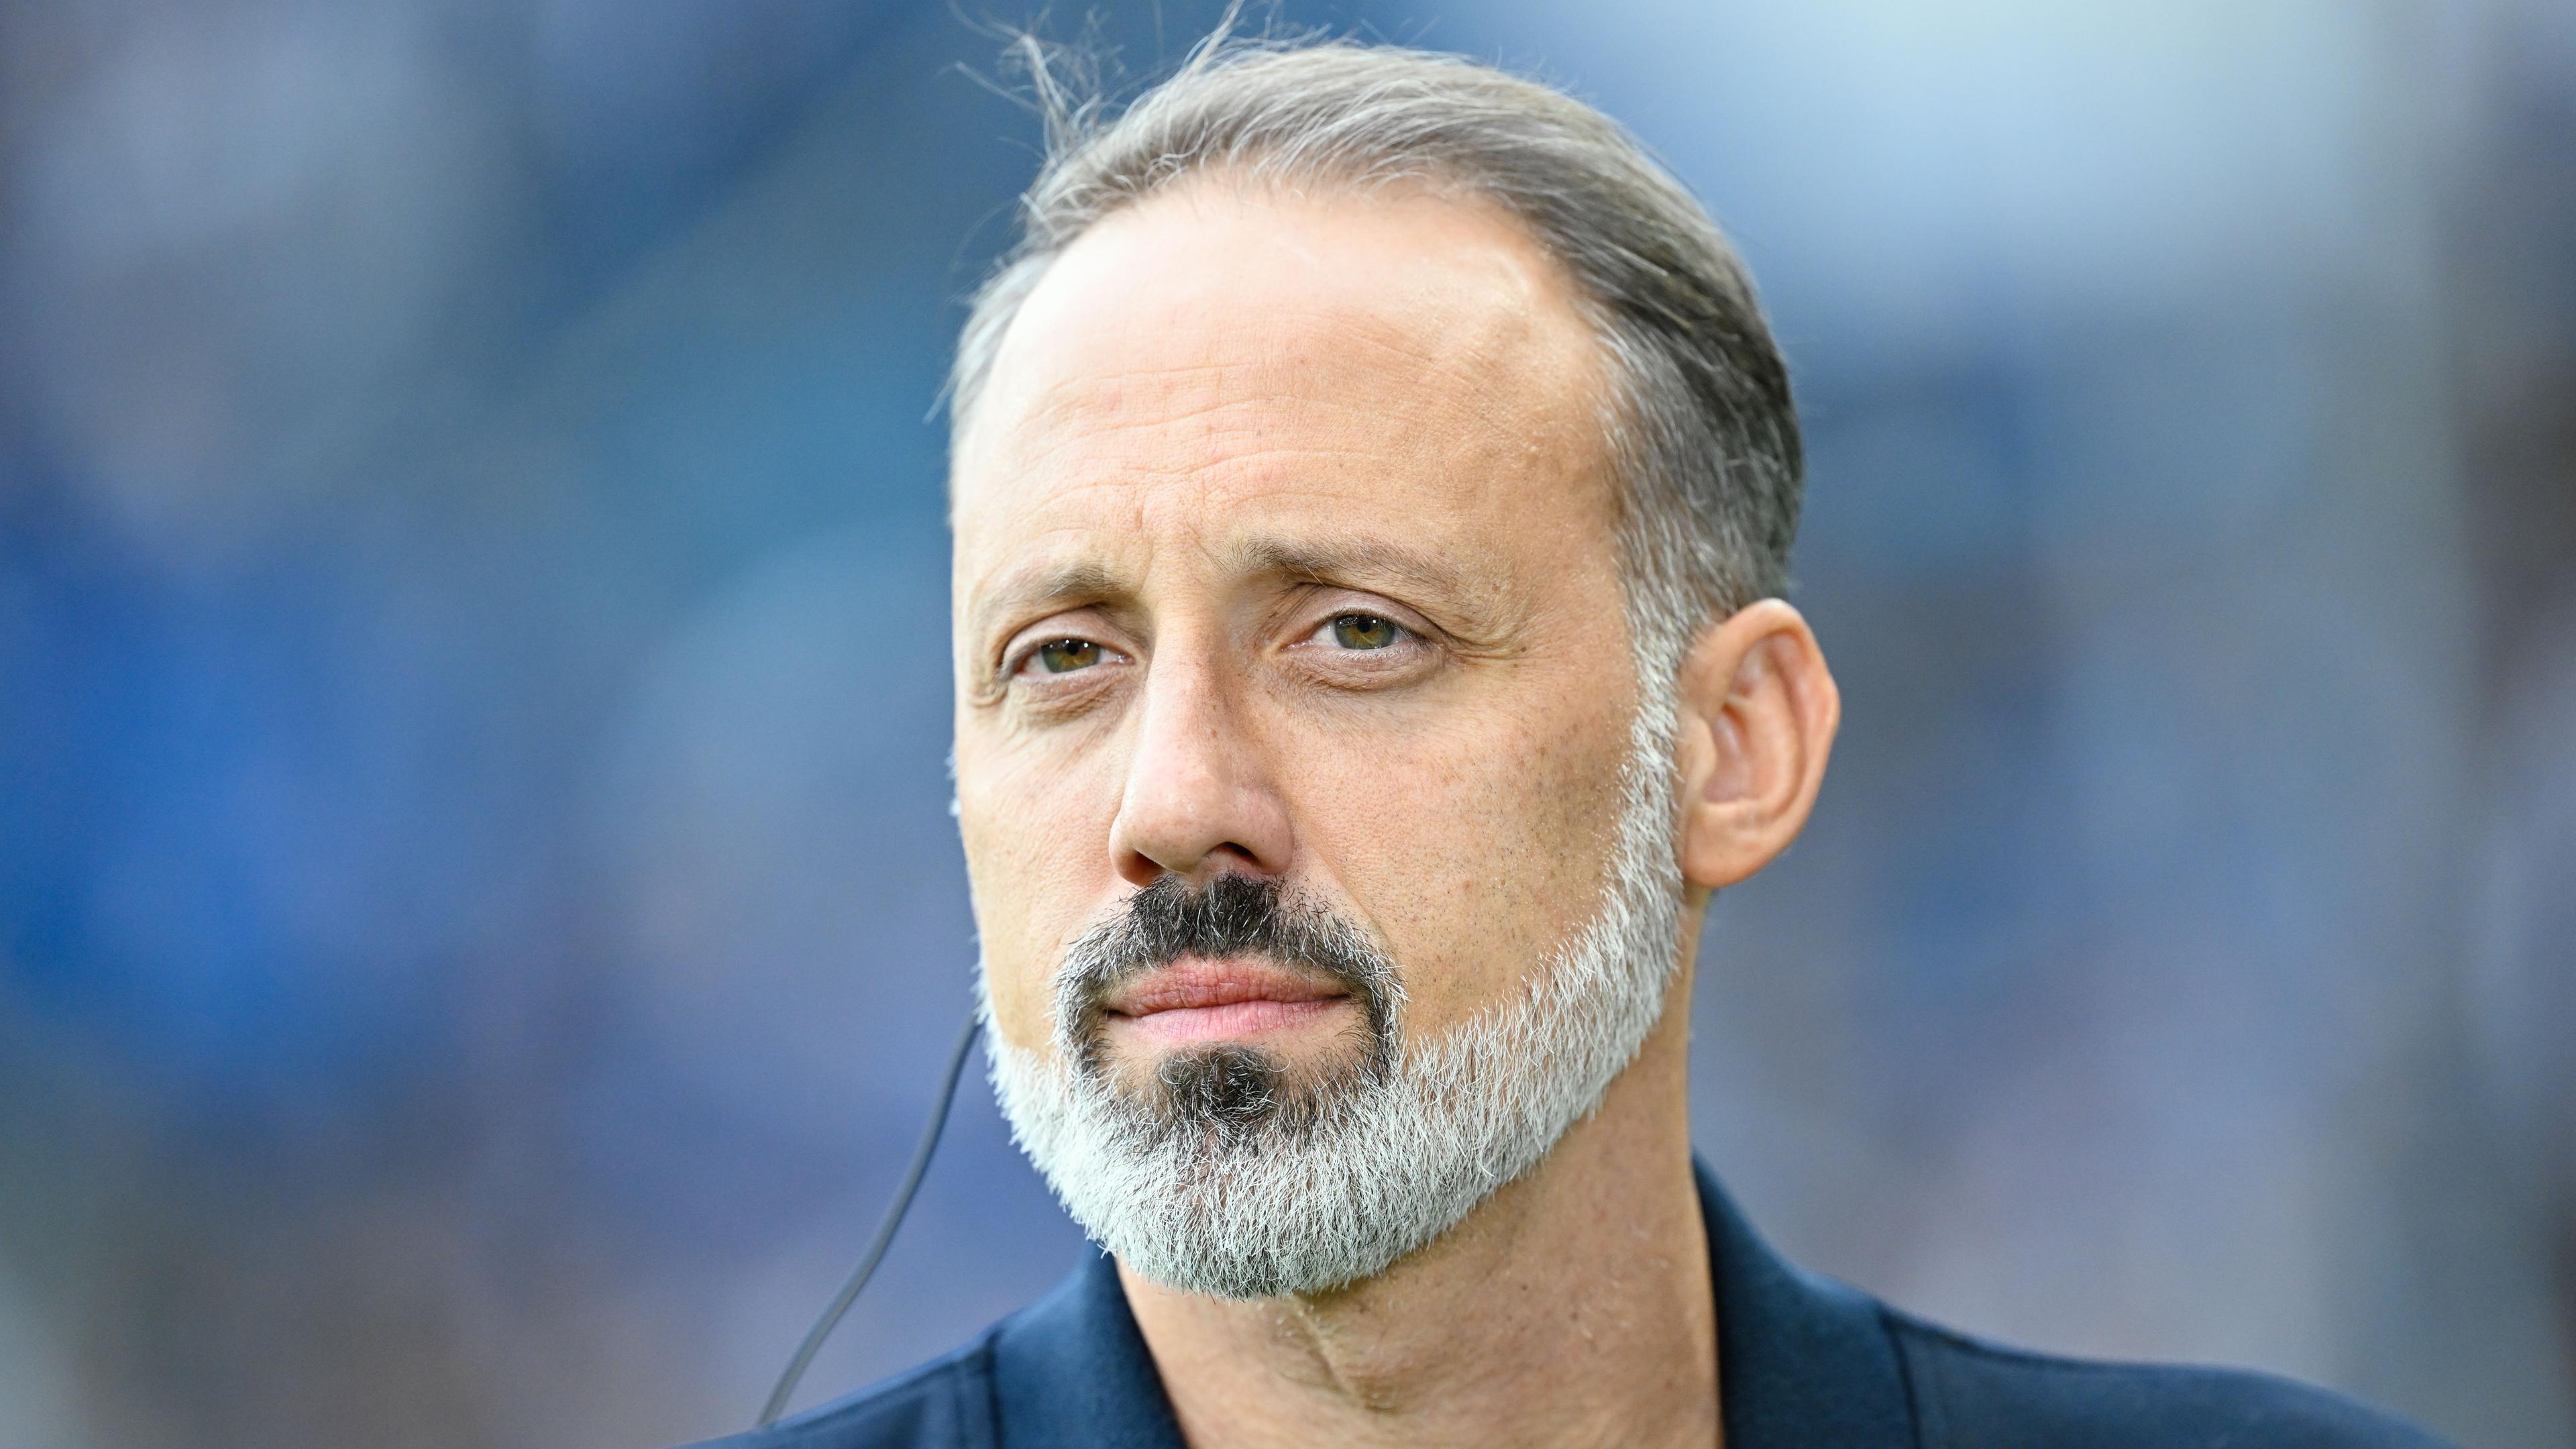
[1572, 1307]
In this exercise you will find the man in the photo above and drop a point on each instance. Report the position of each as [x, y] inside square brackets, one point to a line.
[1372, 489]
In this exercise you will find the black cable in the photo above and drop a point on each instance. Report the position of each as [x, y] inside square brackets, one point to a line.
[886, 1225]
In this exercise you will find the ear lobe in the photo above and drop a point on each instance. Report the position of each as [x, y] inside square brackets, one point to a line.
[1757, 716]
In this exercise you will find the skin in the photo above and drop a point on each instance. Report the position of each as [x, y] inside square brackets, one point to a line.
[1231, 435]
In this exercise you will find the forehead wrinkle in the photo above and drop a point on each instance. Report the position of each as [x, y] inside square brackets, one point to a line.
[1255, 428]
[1079, 450]
[1320, 359]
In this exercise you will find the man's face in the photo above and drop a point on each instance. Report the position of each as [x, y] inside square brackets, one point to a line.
[1284, 552]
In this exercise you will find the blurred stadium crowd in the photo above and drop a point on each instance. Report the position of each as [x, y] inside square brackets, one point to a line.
[478, 910]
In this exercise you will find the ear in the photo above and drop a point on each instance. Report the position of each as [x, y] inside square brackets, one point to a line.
[1757, 714]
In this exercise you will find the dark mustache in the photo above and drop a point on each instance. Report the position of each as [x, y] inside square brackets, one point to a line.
[1230, 915]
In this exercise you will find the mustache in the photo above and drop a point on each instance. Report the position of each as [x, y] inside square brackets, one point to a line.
[1230, 915]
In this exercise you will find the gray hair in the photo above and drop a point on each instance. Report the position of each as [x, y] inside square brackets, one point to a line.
[1702, 435]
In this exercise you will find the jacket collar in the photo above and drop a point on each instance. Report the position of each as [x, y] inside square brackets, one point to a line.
[1070, 1370]
[1801, 1361]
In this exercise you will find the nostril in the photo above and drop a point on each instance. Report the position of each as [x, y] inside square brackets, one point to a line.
[1139, 869]
[1142, 868]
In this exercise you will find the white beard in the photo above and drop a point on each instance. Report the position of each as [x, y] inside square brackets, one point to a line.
[1394, 1160]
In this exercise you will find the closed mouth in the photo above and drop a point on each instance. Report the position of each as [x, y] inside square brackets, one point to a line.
[1198, 999]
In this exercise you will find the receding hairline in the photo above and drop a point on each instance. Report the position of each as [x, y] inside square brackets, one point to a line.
[1528, 266]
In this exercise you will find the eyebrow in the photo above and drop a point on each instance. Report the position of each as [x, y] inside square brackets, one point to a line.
[1047, 584]
[1352, 561]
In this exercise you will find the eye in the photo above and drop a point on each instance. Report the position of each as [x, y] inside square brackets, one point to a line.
[1063, 656]
[1365, 631]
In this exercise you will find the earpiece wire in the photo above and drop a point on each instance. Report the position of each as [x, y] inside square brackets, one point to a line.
[886, 1226]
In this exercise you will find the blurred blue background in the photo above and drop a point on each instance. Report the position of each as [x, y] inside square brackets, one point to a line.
[479, 918]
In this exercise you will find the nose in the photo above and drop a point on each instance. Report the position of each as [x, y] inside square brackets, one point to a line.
[1200, 797]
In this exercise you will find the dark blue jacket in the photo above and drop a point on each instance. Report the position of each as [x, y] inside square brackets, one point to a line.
[1803, 1363]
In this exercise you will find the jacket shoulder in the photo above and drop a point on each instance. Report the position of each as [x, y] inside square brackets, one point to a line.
[944, 1404]
[1970, 1392]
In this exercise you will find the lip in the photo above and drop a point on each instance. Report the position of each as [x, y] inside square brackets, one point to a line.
[1195, 999]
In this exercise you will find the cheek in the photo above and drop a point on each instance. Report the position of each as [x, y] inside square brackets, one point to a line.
[1034, 834]
[1487, 849]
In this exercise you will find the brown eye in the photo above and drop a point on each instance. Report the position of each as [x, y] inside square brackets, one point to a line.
[1363, 631]
[1063, 656]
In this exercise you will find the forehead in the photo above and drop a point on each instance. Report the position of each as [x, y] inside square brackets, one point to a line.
[1221, 359]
